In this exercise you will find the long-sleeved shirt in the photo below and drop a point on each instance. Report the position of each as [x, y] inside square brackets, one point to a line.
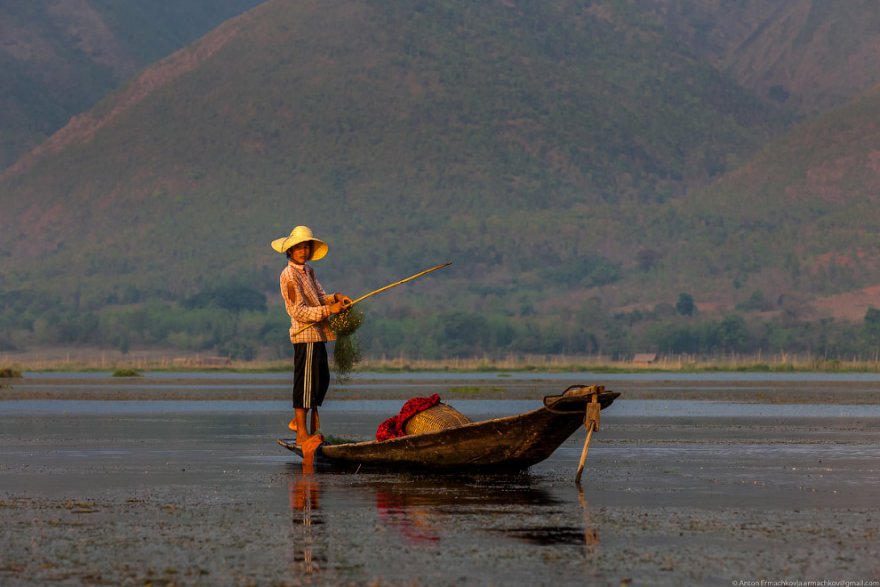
[306, 302]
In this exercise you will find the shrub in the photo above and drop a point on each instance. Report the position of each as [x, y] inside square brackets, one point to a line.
[9, 372]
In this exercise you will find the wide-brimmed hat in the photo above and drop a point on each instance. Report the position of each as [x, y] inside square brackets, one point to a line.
[301, 234]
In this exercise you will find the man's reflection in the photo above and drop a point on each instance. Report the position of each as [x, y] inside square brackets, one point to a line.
[305, 504]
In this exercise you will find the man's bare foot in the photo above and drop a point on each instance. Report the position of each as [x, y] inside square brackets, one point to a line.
[292, 424]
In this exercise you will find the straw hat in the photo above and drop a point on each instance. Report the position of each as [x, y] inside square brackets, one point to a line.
[301, 234]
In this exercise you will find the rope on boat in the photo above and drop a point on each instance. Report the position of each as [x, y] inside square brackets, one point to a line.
[573, 392]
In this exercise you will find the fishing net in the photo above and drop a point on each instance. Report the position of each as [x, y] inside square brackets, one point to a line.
[347, 351]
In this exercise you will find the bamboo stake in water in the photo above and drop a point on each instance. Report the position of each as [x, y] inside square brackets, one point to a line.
[381, 289]
[580, 470]
[591, 421]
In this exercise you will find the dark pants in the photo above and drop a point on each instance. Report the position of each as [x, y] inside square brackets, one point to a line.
[311, 374]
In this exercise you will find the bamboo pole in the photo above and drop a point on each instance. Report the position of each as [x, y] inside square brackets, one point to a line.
[380, 290]
[401, 282]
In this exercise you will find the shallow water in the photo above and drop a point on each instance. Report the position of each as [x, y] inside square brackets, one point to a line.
[197, 492]
[500, 376]
[476, 409]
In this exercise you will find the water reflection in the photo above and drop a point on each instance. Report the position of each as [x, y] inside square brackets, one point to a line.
[412, 519]
[418, 508]
[591, 533]
[305, 506]
[424, 511]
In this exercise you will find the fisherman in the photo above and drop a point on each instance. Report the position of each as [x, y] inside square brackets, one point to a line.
[309, 307]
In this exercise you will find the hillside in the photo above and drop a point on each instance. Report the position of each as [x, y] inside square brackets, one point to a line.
[547, 150]
[801, 216]
[59, 58]
[456, 117]
[812, 55]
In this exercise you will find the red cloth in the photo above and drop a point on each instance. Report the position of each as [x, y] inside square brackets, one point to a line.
[394, 427]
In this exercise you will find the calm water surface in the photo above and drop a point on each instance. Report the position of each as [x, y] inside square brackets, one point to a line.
[498, 376]
[668, 488]
[475, 409]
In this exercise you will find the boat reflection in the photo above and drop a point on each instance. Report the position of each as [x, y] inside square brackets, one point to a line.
[545, 535]
[410, 515]
[305, 505]
[417, 507]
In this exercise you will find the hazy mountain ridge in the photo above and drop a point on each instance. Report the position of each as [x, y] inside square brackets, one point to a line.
[809, 200]
[60, 57]
[565, 122]
[814, 55]
[83, 127]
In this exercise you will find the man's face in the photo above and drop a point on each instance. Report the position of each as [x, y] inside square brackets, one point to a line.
[301, 252]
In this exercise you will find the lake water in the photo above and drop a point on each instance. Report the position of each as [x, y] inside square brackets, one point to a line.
[500, 376]
[476, 409]
[197, 492]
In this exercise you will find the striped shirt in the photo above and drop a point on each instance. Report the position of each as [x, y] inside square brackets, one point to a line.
[306, 302]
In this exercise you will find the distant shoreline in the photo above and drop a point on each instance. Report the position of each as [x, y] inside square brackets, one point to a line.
[84, 360]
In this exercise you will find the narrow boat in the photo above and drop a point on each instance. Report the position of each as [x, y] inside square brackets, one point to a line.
[500, 444]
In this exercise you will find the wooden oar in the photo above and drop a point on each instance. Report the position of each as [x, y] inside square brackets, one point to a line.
[380, 290]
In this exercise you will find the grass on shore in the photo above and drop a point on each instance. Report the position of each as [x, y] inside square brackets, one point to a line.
[137, 363]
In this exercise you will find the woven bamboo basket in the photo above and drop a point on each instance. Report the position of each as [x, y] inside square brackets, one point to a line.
[440, 417]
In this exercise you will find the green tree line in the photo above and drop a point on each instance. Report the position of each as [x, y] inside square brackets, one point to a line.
[235, 321]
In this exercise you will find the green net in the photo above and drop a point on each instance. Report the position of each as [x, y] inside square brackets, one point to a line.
[347, 351]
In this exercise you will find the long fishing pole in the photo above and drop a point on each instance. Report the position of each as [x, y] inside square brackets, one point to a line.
[380, 290]
[396, 283]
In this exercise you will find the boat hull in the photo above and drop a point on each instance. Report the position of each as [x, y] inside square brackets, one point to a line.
[509, 443]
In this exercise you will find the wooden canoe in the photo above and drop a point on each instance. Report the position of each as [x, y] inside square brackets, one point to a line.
[508, 443]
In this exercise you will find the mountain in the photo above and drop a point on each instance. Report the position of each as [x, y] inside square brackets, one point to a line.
[800, 216]
[59, 58]
[561, 154]
[453, 116]
[813, 55]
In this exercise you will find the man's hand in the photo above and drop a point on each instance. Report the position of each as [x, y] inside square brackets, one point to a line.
[340, 303]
